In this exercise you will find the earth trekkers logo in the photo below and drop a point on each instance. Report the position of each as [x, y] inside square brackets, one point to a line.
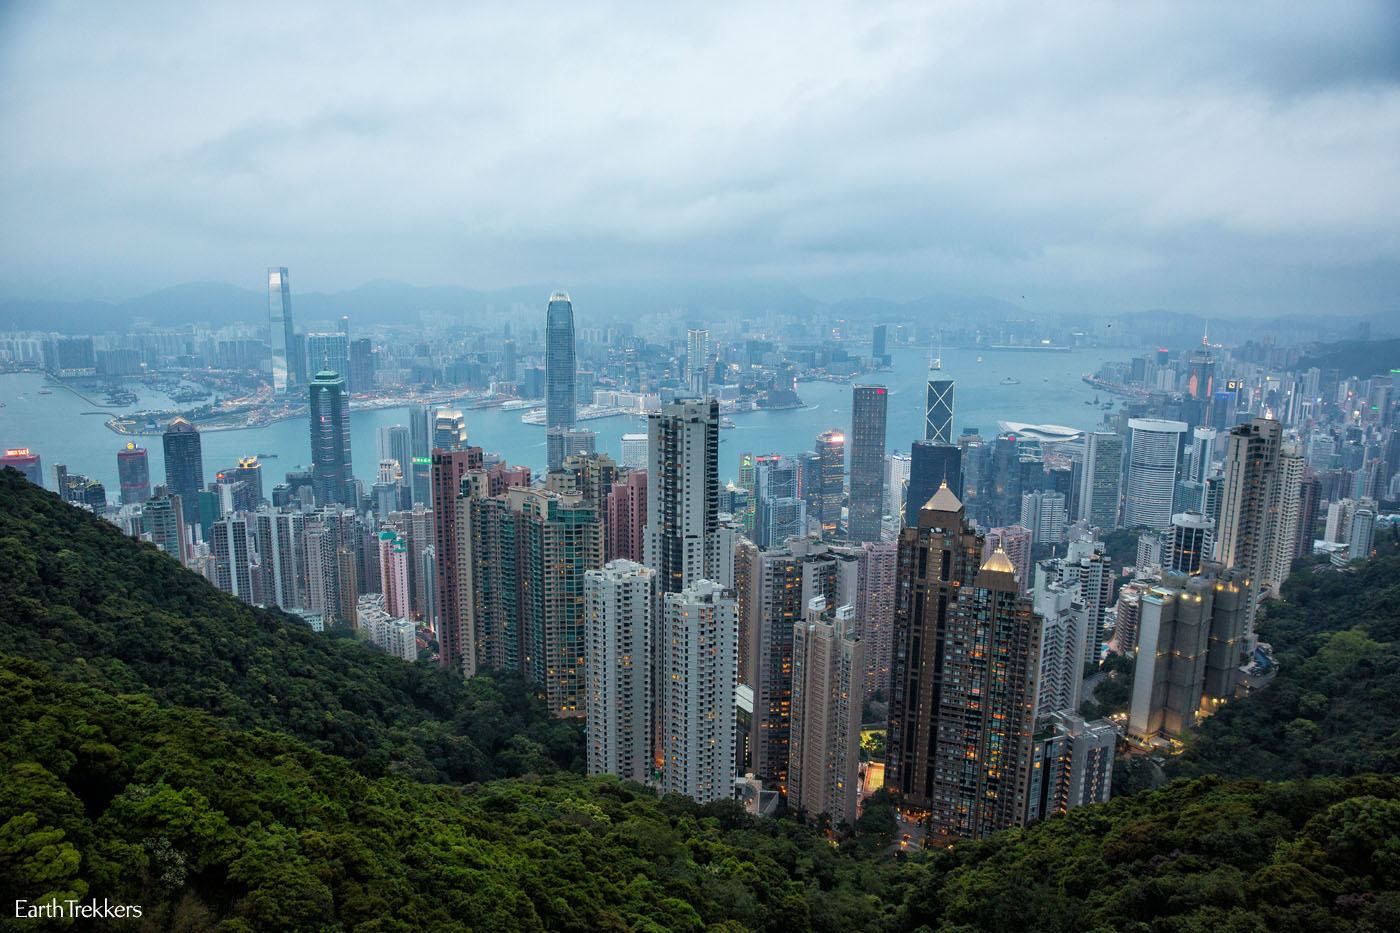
[75, 909]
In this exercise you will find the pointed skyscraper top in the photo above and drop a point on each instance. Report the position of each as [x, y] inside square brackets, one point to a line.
[999, 563]
[943, 500]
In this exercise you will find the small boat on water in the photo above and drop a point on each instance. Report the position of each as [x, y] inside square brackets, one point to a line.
[1011, 381]
[46, 391]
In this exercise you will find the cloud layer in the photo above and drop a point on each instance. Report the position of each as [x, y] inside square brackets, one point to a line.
[1229, 158]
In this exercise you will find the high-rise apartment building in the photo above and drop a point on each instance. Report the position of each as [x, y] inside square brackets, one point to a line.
[282, 556]
[869, 408]
[828, 665]
[455, 638]
[698, 685]
[233, 557]
[619, 605]
[682, 498]
[286, 367]
[134, 474]
[330, 439]
[1191, 541]
[626, 516]
[1250, 535]
[1043, 512]
[393, 574]
[1101, 480]
[561, 371]
[163, 520]
[1152, 467]
[1072, 765]
[184, 465]
[697, 354]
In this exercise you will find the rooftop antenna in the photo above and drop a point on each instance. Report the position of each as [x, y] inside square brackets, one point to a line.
[936, 363]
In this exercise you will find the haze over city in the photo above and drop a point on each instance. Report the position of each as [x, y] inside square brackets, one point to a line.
[1222, 159]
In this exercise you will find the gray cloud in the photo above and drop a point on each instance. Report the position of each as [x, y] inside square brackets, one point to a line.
[1239, 157]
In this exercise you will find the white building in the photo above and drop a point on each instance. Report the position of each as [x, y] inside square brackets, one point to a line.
[617, 646]
[1152, 463]
[634, 451]
[700, 675]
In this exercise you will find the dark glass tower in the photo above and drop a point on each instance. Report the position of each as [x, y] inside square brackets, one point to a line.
[931, 465]
[869, 405]
[330, 438]
[184, 465]
[561, 371]
[830, 481]
[285, 362]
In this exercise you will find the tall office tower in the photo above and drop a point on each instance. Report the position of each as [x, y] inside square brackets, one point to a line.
[1016, 542]
[1064, 640]
[571, 442]
[869, 405]
[561, 370]
[828, 666]
[396, 443]
[1044, 514]
[327, 352]
[419, 472]
[1187, 650]
[617, 645]
[1152, 463]
[1321, 449]
[697, 354]
[634, 451]
[1191, 541]
[938, 405]
[163, 520]
[393, 574]
[29, 465]
[699, 681]
[385, 492]
[875, 612]
[780, 512]
[508, 361]
[361, 365]
[1072, 765]
[938, 556]
[233, 558]
[134, 473]
[1102, 479]
[682, 497]
[282, 556]
[897, 469]
[1203, 442]
[1361, 535]
[1288, 515]
[830, 481]
[626, 511]
[1309, 494]
[1247, 535]
[330, 439]
[249, 472]
[449, 430]
[932, 465]
[878, 341]
[452, 622]
[184, 465]
[1200, 379]
[286, 367]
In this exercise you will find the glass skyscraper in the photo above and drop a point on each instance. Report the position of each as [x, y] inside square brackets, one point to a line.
[286, 368]
[869, 405]
[134, 471]
[561, 372]
[184, 465]
[330, 438]
[938, 406]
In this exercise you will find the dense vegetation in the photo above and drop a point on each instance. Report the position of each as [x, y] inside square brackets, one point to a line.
[100, 608]
[1362, 357]
[162, 744]
[1331, 709]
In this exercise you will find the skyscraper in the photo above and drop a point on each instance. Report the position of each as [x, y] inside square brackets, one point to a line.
[396, 443]
[561, 370]
[162, 518]
[1152, 466]
[328, 351]
[626, 510]
[1101, 480]
[683, 494]
[830, 481]
[698, 682]
[932, 464]
[828, 663]
[1043, 512]
[286, 368]
[453, 622]
[393, 574]
[619, 602]
[449, 430]
[1192, 540]
[330, 438]
[938, 405]
[697, 353]
[26, 463]
[869, 405]
[779, 512]
[184, 465]
[134, 473]
[281, 552]
[1249, 535]
[232, 553]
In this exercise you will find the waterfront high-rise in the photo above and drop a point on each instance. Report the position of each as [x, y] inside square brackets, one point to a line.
[286, 367]
[828, 664]
[698, 682]
[1152, 468]
[1101, 479]
[561, 370]
[134, 473]
[829, 482]
[184, 465]
[938, 405]
[449, 430]
[697, 353]
[682, 498]
[330, 439]
[869, 406]
[25, 462]
[619, 605]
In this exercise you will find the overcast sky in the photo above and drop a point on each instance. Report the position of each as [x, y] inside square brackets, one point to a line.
[1224, 157]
